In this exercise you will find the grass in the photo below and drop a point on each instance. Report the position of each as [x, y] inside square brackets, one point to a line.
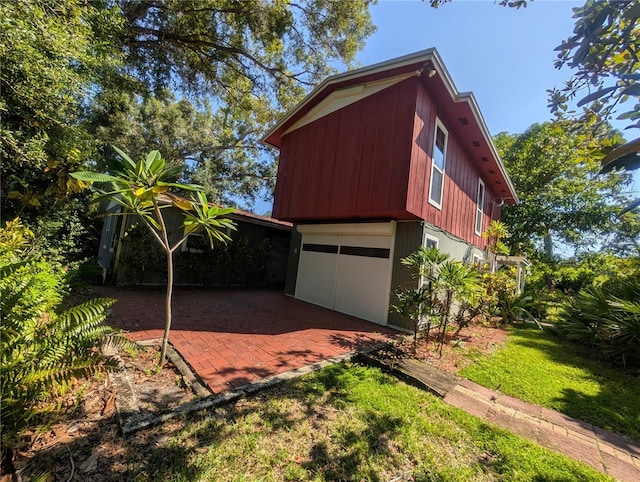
[347, 422]
[541, 368]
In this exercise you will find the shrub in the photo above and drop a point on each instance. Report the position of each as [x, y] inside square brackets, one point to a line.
[41, 350]
[607, 318]
[237, 263]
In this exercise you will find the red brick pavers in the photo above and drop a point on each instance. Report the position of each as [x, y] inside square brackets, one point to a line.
[605, 451]
[233, 337]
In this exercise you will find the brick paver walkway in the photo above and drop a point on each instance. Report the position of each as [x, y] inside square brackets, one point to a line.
[605, 451]
[234, 337]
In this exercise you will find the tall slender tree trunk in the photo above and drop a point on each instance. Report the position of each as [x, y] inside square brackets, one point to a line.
[169, 253]
[548, 244]
[168, 304]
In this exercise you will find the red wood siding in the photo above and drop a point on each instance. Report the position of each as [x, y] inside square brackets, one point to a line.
[352, 163]
[458, 212]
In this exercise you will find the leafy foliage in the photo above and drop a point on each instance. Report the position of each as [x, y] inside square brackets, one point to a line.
[143, 188]
[52, 54]
[606, 318]
[604, 50]
[41, 349]
[562, 196]
[72, 70]
[142, 259]
[439, 282]
[223, 155]
[236, 263]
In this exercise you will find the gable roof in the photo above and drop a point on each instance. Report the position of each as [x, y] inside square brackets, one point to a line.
[426, 64]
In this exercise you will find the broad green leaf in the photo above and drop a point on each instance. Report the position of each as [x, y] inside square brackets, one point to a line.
[140, 167]
[89, 176]
[157, 165]
[152, 158]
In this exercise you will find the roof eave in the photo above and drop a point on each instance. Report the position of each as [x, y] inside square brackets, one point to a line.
[423, 57]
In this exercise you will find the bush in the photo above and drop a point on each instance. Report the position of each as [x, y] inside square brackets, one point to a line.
[41, 350]
[607, 318]
[237, 263]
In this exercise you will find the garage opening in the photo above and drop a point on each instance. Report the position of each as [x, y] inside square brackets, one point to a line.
[347, 268]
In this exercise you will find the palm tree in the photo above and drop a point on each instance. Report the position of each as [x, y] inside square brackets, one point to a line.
[458, 282]
[496, 232]
[143, 188]
[419, 303]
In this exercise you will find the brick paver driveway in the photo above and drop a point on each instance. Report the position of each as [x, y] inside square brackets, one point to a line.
[233, 337]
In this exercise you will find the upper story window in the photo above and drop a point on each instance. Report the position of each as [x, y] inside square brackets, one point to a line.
[438, 162]
[479, 207]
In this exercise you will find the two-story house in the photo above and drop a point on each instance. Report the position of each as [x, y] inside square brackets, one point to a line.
[373, 163]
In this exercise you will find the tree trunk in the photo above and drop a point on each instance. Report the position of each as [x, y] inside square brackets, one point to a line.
[167, 323]
[548, 244]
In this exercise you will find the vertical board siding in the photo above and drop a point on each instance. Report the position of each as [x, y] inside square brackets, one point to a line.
[457, 215]
[341, 165]
[408, 239]
[372, 159]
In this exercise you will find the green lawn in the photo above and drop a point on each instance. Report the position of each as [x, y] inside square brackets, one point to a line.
[541, 368]
[347, 422]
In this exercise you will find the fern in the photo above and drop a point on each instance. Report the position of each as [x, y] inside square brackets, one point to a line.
[43, 351]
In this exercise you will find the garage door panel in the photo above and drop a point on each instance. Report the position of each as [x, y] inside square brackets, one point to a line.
[367, 241]
[362, 287]
[349, 273]
[317, 269]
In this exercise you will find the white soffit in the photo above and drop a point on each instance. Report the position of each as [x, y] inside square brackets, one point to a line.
[362, 229]
[340, 98]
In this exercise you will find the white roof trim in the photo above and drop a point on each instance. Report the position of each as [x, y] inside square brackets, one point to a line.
[340, 98]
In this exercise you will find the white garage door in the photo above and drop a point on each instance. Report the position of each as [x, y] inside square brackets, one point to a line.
[350, 273]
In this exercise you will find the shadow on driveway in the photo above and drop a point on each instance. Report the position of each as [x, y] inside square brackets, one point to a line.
[233, 337]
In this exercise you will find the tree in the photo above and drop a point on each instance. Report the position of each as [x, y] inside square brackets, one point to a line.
[604, 50]
[438, 282]
[221, 156]
[562, 196]
[143, 188]
[419, 302]
[250, 60]
[52, 54]
[496, 232]
[458, 282]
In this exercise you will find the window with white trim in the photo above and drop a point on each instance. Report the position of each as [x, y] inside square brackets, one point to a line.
[476, 259]
[429, 241]
[479, 206]
[438, 162]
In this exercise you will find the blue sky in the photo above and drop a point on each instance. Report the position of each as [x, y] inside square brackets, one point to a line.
[503, 55]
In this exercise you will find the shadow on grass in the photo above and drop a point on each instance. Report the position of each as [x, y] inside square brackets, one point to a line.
[615, 407]
[180, 449]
